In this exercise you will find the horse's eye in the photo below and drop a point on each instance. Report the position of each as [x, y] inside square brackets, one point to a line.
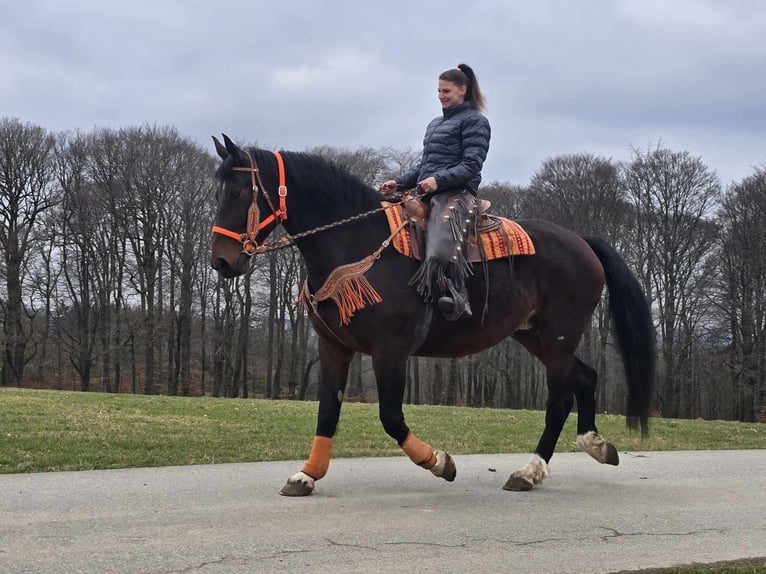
[229, 191]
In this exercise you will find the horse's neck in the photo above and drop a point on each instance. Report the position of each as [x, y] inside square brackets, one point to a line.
[324, 199]
[350, 242]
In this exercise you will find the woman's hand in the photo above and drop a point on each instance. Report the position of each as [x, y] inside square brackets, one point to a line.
[428, 184]
[387, 187]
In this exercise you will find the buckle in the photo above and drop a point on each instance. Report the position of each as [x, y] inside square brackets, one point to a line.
[249, 247]
[282, 191]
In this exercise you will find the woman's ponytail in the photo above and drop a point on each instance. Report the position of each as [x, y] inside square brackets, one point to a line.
[463, 75]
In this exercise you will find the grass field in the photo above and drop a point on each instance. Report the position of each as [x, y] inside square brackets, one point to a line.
[751, 566]
[56, 430]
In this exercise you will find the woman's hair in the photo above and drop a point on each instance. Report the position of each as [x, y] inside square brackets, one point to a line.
[463, 76]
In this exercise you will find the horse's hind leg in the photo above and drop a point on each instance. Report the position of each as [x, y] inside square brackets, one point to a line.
[334, 361]
[588, 439]
[390, 374]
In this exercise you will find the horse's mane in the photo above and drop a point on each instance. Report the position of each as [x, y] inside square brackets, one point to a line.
[323, 182]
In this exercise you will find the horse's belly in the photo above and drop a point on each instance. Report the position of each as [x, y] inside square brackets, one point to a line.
[447, 339]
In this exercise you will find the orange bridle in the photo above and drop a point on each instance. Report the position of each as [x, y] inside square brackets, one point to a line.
[254, 223]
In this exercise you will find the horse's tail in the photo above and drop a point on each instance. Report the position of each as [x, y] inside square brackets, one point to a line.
[634, 327]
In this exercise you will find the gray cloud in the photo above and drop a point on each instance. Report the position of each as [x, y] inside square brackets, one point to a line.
[560, 76]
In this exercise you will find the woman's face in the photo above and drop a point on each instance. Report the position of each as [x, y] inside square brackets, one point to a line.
[450, 94]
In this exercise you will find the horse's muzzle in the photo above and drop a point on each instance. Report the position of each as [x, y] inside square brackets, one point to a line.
[225, 268]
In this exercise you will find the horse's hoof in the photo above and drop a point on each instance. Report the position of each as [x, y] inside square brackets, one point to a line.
[445, 467]
[518, 483]
[298, 485]
[296, 489]
[450, 470]
[611, 456]
[598, 447]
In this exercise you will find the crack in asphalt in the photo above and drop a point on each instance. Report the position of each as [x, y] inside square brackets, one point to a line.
[617, 534]
[607, 537]
[409, 543]
[612, 534]
[288, 552]
[333, 543]
[225, 560]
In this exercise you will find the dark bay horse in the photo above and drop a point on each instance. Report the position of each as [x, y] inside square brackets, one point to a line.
[544, 301]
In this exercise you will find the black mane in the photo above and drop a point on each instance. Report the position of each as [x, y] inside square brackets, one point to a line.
[322, 182]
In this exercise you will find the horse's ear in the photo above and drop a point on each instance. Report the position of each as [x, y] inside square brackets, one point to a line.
[231, 147]
[222, 152]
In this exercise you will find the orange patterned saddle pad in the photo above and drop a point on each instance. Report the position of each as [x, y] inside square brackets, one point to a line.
[508, 239]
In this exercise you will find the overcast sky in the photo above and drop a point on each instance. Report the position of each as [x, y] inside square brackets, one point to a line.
[560, 76]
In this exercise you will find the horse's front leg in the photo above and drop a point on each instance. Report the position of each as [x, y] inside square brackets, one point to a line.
[334, 361]
[390, 375]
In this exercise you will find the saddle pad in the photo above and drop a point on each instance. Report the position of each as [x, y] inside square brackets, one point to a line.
[507, 240]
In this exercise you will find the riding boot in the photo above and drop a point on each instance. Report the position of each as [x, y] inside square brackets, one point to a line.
[442, 275]
[455, 305]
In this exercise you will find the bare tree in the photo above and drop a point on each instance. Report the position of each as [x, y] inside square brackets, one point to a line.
[368, 164]
[187, 204]
[79, 223]
[674, 195]
[581, 192]
[743, 270]
[224, 321]
[26, 192]
[584, 193]
[400, 161]
[109, 242]
[152, 174]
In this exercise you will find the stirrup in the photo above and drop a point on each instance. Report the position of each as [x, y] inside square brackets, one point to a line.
[455, 305]
[452, 311]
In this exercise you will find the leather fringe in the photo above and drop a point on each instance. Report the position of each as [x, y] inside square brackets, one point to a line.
[348, 288]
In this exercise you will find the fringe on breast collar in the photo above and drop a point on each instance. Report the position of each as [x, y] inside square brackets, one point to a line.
[347, 286]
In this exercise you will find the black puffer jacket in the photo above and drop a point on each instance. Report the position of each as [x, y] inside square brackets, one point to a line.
[454, 149]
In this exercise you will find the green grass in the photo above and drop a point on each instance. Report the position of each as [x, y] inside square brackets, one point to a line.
[56, 430]
[747, 566]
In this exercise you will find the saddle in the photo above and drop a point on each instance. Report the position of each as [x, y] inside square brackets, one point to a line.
[498, 237]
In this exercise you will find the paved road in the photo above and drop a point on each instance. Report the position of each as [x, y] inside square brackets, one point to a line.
[385, 515]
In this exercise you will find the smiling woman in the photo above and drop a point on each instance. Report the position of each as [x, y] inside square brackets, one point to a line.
[454, 149]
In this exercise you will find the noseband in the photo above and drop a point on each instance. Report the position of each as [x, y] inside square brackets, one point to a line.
[254, 223]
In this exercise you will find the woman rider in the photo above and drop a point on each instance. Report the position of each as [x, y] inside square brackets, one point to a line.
[454, 149]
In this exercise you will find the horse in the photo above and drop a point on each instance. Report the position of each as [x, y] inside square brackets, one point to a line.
[544, 301]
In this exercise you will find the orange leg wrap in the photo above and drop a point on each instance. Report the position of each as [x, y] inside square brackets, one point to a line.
[319, 459]
[419, 452]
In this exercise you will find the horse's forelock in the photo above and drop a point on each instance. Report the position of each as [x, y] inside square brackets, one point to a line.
[223, 172]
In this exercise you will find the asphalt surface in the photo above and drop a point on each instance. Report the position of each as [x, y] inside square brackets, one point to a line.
[368, 515]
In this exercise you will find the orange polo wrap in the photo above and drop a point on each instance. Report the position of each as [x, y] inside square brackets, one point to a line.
[319, 459]
[419, 452]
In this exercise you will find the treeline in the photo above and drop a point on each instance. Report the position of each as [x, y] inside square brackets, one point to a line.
[105, 282]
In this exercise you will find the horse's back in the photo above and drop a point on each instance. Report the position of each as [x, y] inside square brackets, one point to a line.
[562, 252]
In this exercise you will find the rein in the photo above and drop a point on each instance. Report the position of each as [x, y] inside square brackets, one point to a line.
[250, 246]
